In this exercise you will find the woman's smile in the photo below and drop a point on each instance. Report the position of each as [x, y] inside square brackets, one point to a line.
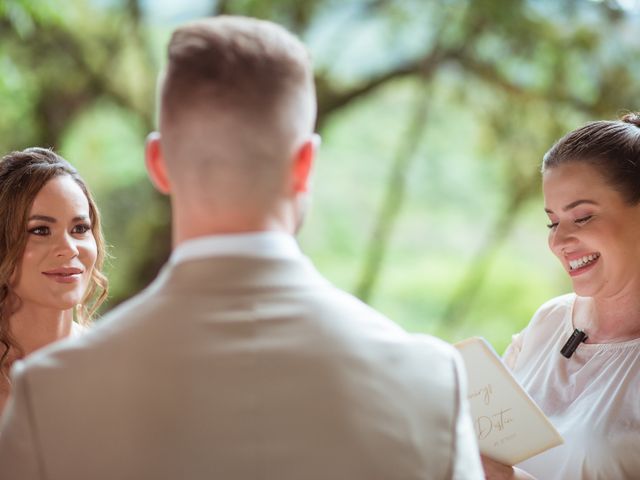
[65, 274]
[581, 263]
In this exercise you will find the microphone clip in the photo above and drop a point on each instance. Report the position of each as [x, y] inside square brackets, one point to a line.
[576, 338]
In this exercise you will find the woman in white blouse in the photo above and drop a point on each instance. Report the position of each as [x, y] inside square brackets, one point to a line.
[51, 254]
[591, 184]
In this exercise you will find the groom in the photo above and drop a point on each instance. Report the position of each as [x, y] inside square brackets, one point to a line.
[240, 361]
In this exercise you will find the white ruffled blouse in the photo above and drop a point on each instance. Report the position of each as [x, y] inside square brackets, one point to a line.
[592, 398]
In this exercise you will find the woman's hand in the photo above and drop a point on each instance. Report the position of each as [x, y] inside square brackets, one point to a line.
[497, 471]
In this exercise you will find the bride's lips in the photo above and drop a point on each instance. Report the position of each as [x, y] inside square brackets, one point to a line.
[64, 274]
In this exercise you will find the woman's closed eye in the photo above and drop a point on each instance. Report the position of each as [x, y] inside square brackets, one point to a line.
[577, 221]
[583, 220]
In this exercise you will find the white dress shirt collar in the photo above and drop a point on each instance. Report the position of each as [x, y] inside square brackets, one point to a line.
[257, 244]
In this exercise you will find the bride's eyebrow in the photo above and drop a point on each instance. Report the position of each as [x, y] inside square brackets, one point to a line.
[574, 205]
[46, 218]
[43, 218]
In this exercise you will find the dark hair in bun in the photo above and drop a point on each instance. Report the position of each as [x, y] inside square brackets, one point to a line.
[632, 118]
[612, 147]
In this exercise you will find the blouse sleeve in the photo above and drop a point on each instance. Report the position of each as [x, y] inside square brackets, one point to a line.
[510, 356]
[546, 319]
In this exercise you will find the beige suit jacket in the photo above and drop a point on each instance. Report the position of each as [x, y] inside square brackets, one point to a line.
[240, 368]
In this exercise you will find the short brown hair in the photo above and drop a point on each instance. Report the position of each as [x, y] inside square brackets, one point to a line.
[22, 176]
[612, 147]
[233, 62]
[235, 77]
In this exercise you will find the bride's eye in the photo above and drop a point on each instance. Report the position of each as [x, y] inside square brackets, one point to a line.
[41, 230]
[81, 228]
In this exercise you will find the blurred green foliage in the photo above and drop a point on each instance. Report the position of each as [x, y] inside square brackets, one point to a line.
[435, 116]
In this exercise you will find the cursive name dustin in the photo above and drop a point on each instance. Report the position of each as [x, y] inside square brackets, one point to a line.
[497, 422]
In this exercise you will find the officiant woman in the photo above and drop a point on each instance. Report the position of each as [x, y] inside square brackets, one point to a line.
[591, 185]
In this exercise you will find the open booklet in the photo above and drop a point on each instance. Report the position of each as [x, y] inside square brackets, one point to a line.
[509, 424]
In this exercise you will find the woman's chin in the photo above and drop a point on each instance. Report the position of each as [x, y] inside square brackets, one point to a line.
[67, 302]
[584, 289]
[587, 284]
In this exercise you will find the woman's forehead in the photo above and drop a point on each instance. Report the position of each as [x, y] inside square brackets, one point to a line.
[61, 193]
[572, 176]
[565, 185]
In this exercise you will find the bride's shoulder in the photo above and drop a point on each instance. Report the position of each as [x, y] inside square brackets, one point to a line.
[78, 329]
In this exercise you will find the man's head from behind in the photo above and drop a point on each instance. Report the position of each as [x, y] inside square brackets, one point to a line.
[237, 108]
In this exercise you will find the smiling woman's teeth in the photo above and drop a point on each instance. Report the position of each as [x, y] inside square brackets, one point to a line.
[581, 262]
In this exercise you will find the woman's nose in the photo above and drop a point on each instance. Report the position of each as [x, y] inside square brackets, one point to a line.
[562, 238]
[67, 247]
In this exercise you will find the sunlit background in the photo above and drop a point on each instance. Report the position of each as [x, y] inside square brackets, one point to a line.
[434, 117]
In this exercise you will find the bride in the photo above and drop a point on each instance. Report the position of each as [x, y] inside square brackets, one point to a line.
[51, 255]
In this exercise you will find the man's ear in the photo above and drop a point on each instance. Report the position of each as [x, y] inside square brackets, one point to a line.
[303, 163]
[154, 161]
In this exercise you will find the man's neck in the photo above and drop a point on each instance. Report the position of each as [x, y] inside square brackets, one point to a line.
[189, 226]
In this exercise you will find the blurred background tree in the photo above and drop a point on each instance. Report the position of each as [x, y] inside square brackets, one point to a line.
[435, 116]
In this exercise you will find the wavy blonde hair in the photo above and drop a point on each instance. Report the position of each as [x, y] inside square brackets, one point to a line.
[22, 176]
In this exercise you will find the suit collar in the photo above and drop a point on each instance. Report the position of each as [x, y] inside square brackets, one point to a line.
[230, 273]
[270, 244]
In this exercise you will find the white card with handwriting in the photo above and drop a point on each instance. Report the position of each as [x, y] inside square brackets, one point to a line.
[509, 425]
